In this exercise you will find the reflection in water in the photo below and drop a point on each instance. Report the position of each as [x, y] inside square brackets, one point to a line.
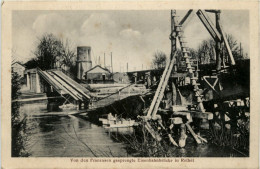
[126, 130]
[70, 136]
[65, 136]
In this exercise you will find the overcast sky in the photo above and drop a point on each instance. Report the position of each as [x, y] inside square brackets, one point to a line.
[132, 36]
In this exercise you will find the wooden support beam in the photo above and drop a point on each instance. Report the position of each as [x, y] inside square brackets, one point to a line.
[153, 133]
[195, 136]
[173, 33]
[227, 46]
[71, 83]
[174, 94]
[176, 120]
[209, 84]
[184, 114]
[200, 115]
[162, 89]
[172, 140]
[183, 136]
[158, 89]
[202, 139]
[212, 11]
[219, 58]
[186, 18]
[209, 25]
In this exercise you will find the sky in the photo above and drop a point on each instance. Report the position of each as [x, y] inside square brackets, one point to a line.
[132, 36]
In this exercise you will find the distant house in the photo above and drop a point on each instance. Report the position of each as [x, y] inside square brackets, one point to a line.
[98, 74]
[19, 68]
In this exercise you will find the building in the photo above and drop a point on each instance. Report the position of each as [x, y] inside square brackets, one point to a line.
[33, 80]
[84, 62]
[18, 68]
[98, 74]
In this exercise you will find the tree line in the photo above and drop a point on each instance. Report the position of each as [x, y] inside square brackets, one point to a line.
[205, 53]
[52, 52]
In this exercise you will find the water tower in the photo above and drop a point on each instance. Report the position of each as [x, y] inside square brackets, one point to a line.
[84, 62]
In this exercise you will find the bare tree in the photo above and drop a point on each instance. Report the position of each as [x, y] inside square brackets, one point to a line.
[206, 51]
[235, 48]
[47, 51]
[68, 54]
[52, 52]
[159, 60]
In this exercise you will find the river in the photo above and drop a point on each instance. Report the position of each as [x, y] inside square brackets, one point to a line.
[56, 135]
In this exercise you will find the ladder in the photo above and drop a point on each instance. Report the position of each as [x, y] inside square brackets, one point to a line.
[192, 72]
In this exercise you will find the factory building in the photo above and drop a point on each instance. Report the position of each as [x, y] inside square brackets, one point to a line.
[99, 74]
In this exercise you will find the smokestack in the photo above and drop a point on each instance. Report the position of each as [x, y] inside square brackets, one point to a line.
[111, 62]
[127, 67]
[99, 61]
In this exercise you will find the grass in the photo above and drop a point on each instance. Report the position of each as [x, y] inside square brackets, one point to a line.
[236, 139]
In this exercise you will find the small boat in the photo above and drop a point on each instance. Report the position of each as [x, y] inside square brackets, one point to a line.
[105, 119]
[113, 121]
[121, 123]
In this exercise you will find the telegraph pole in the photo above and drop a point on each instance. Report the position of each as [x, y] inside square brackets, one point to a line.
[104, 60]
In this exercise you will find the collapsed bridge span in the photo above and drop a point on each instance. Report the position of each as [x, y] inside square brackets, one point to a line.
[55, 82]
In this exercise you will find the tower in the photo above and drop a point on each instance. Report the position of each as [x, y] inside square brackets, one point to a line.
[84, 62]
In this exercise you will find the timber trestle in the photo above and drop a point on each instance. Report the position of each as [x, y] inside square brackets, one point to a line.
[197, 109]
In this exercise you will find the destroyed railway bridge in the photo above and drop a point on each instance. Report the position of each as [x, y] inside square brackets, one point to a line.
[217, 92]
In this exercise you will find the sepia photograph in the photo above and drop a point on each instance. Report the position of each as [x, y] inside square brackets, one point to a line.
[145, 83]
[129, 84]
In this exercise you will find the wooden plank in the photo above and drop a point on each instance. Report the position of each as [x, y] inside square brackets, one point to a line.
[72, 92]
[49, 80]
[67, 78]
[209, 25]
[176, 120]
[71, 83]
[158, 89]
[186, 114]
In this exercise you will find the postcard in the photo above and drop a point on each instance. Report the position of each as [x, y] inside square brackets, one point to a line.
[136, 84]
